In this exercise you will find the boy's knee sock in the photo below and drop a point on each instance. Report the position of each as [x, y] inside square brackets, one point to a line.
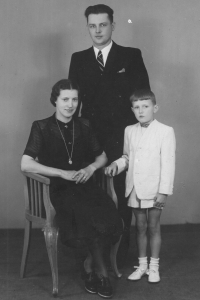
[143, 263]
[154, 264]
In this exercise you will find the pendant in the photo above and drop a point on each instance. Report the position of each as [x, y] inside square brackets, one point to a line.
[70, 161]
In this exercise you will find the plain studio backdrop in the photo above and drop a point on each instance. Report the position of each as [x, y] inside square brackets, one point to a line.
[37, 39]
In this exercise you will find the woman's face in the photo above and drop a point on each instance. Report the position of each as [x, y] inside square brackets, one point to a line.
[66, 105]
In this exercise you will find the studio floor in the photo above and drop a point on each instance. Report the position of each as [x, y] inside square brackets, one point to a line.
[179, 269]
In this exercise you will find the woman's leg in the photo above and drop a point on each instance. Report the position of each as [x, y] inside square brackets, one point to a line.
[154, 231]
[104, 288]
[141, 230]
[88, 263]
[96, 249]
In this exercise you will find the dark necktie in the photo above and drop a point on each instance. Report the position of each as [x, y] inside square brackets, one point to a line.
[100, 61]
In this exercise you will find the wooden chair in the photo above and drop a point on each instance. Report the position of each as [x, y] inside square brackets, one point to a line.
[39, 210]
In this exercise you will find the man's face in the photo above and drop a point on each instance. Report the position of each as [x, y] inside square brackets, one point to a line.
[100, 29]
[144, 110]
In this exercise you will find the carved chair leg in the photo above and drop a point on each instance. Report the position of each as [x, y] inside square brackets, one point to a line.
[27, 234]
[113, 256]
[51, 237]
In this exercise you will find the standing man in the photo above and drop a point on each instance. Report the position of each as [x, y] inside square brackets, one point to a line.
[107, 74]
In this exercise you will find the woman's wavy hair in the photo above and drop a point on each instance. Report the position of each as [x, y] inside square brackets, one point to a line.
[63, 84]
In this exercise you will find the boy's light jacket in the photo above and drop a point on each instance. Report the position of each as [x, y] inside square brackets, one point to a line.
[150, 160]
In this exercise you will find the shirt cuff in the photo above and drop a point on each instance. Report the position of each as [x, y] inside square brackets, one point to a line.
[121, 164]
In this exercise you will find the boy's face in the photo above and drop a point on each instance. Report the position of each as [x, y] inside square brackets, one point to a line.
[144, 110]
[100, 29]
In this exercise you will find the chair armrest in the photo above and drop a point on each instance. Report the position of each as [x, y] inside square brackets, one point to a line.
[37, 177]
[107, 183]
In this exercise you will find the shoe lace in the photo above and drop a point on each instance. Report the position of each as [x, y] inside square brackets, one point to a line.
[105, 281]
[152, 271]
[138, 269]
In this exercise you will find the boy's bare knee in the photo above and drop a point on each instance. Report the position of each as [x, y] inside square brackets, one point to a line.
[141, 227]
[154, 228]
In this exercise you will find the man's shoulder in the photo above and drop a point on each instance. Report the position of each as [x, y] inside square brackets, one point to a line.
[82, 52]
[124, 49]
[117, 47]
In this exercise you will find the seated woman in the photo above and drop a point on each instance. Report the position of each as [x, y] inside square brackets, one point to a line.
[85, 214]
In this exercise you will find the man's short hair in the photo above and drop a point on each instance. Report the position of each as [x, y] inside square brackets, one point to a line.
[144, 94]
[99, 9]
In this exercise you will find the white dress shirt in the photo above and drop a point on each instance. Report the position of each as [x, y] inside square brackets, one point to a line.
[105, 51]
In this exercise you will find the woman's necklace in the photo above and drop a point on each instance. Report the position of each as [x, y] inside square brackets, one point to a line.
[70, 156]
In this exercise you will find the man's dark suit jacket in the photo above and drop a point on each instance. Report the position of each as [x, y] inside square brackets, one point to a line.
[105, 96]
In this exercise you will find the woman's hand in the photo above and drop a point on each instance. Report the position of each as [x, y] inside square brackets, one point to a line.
[112, 170]
[68, 175]
[160, 201]
[83, 175]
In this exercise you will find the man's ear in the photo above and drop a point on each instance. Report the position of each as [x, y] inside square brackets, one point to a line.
[156, 108]
[113, 26]
[132, 109]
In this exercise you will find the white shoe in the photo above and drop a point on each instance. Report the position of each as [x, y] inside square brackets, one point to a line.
[154, 276]
[137, 274]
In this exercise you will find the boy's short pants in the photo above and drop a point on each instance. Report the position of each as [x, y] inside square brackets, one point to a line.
[135, 202]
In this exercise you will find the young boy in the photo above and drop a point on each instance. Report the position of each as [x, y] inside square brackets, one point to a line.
[149, 158]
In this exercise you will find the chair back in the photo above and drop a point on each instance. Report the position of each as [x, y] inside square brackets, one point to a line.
[38, 207]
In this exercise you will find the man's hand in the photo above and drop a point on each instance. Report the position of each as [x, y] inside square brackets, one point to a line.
[160, 201]
[111, 170]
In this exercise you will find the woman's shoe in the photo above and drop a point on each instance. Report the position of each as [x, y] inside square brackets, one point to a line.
[104, 288]
[90, 280]
[91, 283]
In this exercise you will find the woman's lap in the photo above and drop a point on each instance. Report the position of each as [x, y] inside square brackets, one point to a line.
[85, 211]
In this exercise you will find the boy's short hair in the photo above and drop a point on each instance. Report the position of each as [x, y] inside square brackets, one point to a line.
[144, 94]
[99, 9]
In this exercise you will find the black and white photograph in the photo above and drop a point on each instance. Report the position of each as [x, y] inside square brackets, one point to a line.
[100, 149]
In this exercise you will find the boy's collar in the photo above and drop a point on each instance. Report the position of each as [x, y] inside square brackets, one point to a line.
[145, 125]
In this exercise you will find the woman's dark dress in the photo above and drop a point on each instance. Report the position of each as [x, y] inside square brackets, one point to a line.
[83, 211]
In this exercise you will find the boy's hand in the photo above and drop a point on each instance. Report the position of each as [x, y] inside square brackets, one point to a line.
[160, 201]
[111, 170]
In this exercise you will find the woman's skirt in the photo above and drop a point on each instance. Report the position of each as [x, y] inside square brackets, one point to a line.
[85, 212]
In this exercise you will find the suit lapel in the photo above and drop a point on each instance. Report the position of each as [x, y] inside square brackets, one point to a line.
[112, 59]
[91, 63]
